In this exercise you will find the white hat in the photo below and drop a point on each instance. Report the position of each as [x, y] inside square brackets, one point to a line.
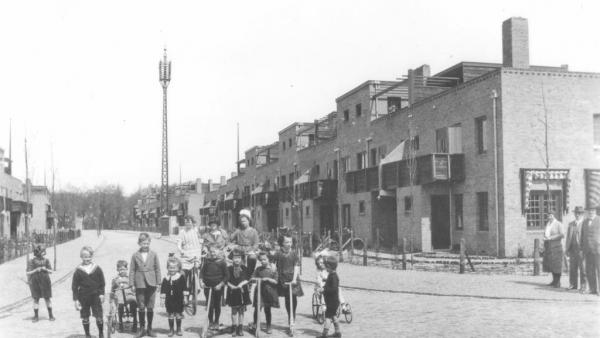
[246, 213]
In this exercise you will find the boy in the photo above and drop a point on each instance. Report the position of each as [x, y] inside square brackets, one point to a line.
[122, 292]
[332, 301]
[88, 291]
[214, 275]
[144, 275]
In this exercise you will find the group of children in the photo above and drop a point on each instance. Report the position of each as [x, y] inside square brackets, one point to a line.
[134, 287]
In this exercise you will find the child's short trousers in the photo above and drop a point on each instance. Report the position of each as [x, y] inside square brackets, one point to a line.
[146, 297]
[92, 302]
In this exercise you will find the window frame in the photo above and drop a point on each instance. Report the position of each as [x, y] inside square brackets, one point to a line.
[481, 135]
[459, 224]
[483, 223]
[362, 209]
[358, 110]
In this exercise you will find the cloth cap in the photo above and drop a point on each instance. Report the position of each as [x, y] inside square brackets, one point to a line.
[578, 210]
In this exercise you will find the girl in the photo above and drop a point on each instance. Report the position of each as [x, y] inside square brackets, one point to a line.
[123, 294]
[144, 275]
[238, 295]
[88, 291]
[38, 269]
[288, 269]
[172, 292]
[268, 292]
[322, 274]
[331, 295]
[214, 275]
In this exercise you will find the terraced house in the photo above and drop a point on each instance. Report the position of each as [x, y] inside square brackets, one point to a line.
[434, 158]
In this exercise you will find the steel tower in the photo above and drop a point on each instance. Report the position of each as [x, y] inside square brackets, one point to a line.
[164, 73]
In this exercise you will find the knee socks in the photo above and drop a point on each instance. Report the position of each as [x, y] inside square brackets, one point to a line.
[178, 322]
[171, 323]
[268, 315]
[142, 318]
[50, 312]
[100, 325]
[287, 306]
[149, 315]
[86, 326]
[35, 313]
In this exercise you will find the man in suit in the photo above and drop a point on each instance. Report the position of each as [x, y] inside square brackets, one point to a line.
[575, 250]
[590, 238]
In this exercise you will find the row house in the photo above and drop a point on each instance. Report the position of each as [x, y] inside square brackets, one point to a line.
[480, 151]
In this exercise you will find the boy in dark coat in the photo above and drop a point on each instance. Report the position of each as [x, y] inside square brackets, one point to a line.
[88, 291]
[214, 275]
[331, 292]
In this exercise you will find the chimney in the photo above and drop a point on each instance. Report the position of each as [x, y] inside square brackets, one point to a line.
[515, 43]
[210, 185]
[223, 181]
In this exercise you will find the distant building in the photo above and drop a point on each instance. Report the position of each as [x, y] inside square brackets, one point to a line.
[433, 158]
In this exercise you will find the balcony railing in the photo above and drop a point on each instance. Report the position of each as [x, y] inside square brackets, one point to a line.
[266, 198]
[285, 194]
[362, 180]
[429, 169]
[325, 189]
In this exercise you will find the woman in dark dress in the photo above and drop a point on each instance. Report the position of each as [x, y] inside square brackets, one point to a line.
[38, 270]
[238, 294]
[269, 297]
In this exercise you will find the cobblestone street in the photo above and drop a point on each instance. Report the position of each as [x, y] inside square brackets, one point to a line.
[406, 303]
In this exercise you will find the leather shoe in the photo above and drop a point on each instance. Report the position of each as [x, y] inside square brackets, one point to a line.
[149, 333]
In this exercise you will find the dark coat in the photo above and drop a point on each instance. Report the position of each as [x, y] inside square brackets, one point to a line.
[173, 289]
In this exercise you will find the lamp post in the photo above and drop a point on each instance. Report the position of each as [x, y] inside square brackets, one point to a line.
[339, 203]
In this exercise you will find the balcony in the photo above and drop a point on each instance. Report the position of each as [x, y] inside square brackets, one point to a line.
[285, 194]
[318, 189]
[362, 180]
[266, 198]
[429, 168]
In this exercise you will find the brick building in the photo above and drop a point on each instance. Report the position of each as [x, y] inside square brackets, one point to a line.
[434, 158]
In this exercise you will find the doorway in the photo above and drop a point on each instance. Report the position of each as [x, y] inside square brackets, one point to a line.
[440, 222]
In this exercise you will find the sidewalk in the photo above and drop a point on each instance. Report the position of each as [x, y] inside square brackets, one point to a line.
[14, 280]
[510, 287]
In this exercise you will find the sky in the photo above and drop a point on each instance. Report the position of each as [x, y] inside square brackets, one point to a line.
[80, 78]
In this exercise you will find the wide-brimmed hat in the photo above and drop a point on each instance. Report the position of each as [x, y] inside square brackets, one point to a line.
[246, 213]
[579, 210]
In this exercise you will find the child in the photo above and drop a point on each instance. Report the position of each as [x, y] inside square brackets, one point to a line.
[172, 291]
[38, 269]
[322, 278]
[144, 275]
[331, 295]
[214, 275]
[88, 291]
[122, 292]
[288, 269]
[238, 295]
[268, 294]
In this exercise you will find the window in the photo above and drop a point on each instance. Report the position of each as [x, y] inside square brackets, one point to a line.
[361, 160]
[408, 204]
[539, 205]
[358, 108]
[345, 165]
[361, 207]
[458, 211]
[346, 215]
[482, 211]
[373, 157]
[455, 139]
[291, 180]
[252, 161]
[441, 140]
[382, 151]
[415, 142]
[394, 104]
[290, 143]
[481, 134]
[597, 131]
[283, 182]
[346, 115]
[335, 169]
[307, 211]
[283, 144]
[287, 213]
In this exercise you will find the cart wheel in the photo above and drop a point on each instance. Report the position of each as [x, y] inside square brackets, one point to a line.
[190, 308]
[348, 313]
[315, 305]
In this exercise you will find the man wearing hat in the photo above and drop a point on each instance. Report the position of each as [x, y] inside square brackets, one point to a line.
[246, 237]
[590, 238]
[574, 250]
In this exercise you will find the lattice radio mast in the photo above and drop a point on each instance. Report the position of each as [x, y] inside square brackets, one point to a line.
[164, 72]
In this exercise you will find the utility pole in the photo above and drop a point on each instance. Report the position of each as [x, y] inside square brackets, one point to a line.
[27, 201]
[52, 203]
[164, 70]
